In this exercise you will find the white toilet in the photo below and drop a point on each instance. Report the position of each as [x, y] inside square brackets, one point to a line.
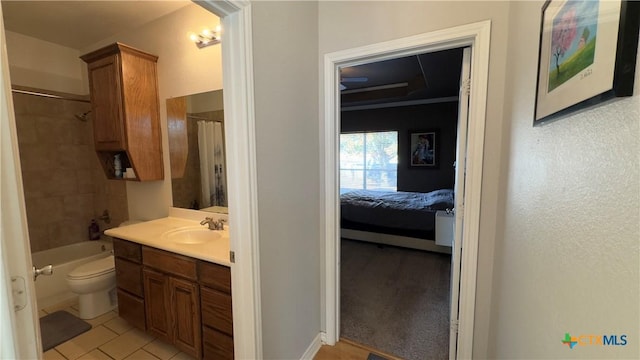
[95, 284]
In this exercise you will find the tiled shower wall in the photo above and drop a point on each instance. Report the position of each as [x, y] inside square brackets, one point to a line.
[64, 184]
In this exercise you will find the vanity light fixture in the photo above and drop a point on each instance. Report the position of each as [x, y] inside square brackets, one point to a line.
[206, 38]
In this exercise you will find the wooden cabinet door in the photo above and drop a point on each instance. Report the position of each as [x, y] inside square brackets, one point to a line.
[178, 139]
[185, 301]
[157, 304]
[106, 102]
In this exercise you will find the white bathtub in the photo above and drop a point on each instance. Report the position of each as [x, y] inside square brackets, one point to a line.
[52, 290]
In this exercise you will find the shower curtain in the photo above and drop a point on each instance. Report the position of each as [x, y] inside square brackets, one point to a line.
[212, 166]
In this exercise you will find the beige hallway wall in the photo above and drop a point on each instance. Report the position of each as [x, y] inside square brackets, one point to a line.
[286, 114]
[345, 25]
[569, 259]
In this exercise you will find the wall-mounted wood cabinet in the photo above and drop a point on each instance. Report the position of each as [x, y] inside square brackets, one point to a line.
[178, 139]
[125, 110]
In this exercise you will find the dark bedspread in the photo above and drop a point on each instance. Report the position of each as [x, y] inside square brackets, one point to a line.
[400, 210]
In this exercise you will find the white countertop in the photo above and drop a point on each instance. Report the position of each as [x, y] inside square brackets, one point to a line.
[150, 233]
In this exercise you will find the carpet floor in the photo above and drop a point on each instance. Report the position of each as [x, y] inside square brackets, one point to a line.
[395, 299]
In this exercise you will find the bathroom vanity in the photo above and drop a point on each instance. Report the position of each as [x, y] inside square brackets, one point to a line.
[181, 299]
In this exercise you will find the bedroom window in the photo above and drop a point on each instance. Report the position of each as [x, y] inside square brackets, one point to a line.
[369, 161]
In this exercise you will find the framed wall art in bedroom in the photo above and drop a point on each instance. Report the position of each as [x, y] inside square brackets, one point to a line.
[587, 55]
[424, 149]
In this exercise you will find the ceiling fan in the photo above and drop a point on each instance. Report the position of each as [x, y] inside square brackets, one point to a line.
[360, 79]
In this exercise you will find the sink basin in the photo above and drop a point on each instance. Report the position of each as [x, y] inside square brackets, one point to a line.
[191, 235]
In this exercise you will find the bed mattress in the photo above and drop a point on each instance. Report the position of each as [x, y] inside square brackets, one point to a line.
[385, 211]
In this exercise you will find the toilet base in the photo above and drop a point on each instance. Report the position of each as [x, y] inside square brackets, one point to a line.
[97, 303]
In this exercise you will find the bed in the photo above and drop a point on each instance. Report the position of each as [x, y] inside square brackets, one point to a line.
[396, 218]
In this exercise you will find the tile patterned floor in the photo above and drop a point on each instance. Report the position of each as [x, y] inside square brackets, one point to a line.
[110, 338]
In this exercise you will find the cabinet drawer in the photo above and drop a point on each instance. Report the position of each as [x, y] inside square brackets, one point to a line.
[127, 250]
[169, 263]
[216, 310]
[215, 276]
[131, 308]
[216, 345]
[129, 276]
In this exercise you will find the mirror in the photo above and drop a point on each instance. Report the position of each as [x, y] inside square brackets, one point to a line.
[197, 152]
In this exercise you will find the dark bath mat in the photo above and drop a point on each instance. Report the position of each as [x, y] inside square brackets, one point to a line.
[59, 327]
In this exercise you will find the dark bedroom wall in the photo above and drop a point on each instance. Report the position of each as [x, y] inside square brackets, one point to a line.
[440, 117]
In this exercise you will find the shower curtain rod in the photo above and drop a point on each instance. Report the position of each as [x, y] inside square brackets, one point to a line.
[44, 93]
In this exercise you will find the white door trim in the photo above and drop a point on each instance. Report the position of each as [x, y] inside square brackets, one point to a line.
[461, 158]
[20, 330]
[476, 35]
[237, 71]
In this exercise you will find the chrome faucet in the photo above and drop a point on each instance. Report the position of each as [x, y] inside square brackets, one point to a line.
[213, 224]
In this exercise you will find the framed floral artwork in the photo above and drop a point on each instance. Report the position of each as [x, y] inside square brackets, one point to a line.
[587, 55]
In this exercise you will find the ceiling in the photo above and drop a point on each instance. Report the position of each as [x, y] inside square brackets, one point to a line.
[407, 80]
[78, 24]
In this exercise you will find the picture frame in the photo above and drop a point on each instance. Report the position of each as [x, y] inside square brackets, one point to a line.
[586, 56]
[423, 149]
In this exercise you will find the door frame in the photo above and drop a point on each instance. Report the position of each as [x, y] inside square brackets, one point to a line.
[237, 75]
[478, 37]
[460, 167]
[20, 329]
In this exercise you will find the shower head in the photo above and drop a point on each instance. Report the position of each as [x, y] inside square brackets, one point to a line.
[83, 116]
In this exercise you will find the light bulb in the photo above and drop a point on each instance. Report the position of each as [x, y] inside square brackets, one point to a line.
[206, 33]
[193, 37]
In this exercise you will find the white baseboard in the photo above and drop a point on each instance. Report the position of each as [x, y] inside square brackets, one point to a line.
[323, 337]
[395, 240]
[313, 348]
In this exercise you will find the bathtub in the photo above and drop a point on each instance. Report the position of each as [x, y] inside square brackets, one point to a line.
[52, 290]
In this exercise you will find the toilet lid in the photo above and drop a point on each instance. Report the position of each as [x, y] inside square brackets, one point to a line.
[94, 268]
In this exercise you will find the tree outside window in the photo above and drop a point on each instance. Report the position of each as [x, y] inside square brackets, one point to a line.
[369, 161]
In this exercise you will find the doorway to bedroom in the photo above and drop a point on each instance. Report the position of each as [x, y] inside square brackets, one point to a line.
[397, 171]
[468, 173]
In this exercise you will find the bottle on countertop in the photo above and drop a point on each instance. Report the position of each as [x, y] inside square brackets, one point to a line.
[117, 164]
[94, 230]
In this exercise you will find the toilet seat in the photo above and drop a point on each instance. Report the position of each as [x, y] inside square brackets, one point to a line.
[93, 269]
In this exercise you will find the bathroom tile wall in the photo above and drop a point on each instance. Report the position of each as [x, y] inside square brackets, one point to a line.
[63, 182]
